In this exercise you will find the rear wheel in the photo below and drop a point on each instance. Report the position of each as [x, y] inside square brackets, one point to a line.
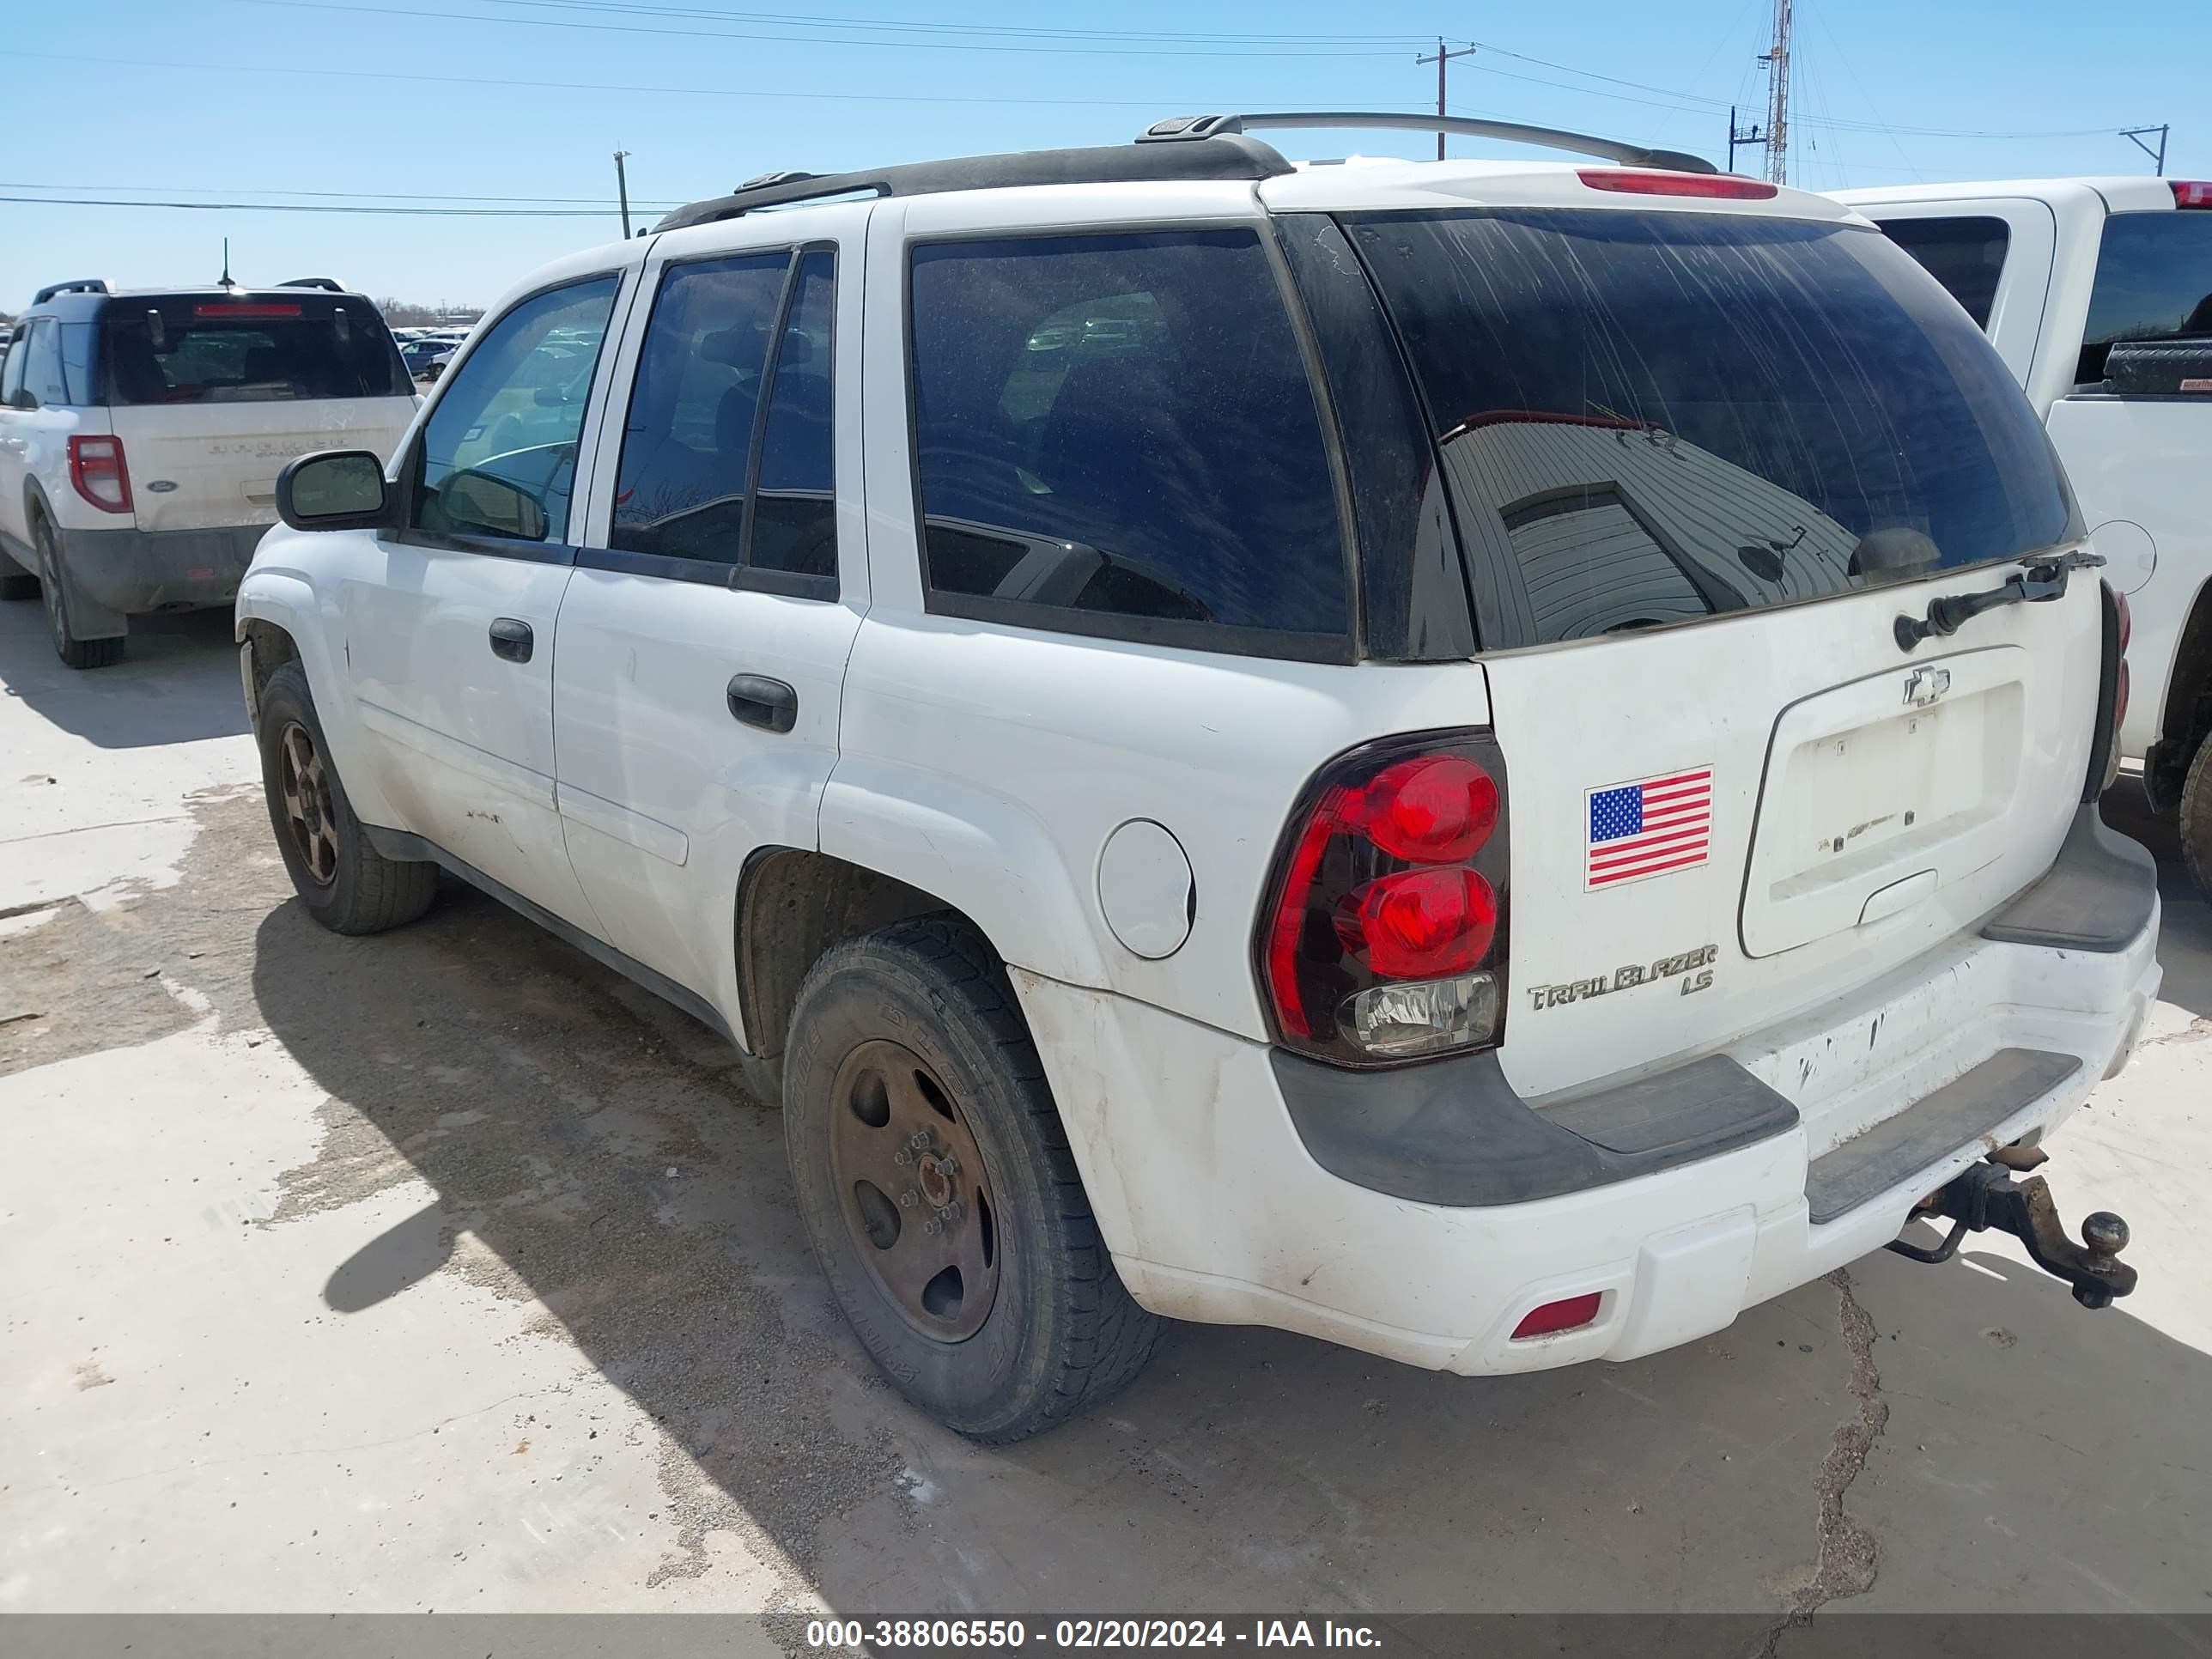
[2196, 823]
[76, 651]
[936, 1183]
[345, 883]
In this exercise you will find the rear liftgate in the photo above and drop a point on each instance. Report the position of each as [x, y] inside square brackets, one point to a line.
[1984, 1196]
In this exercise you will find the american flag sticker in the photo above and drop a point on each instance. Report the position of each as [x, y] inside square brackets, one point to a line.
[1649, 827]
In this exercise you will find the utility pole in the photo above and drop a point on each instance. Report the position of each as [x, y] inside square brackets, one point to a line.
[2134, 135]
[1777, 97]
[1441, 60]
[622, 188]
[1739, 135]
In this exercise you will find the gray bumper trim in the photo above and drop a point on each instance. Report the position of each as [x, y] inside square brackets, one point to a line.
[1931, 1128]
[2098, 895]
[1453, 1131]
[137, 571]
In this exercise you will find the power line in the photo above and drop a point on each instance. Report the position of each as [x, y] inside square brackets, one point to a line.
[289, 71]
[340, 195]
[317, 207]
[1324, 52]
[1000, 30]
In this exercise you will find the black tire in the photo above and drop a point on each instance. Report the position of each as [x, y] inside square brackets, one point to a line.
[346, 883]
[77, 653]
[2195, 820]
[1060, 1333]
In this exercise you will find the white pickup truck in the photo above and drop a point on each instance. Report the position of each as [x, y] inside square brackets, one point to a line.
[2097, 294]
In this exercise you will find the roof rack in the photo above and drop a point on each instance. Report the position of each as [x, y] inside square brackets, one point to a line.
[1229, 156]
[330, 282]
[1205, 129]
[82, 285]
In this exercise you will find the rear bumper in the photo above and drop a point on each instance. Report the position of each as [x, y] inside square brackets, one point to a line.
[1217, 1208]
[137, 571]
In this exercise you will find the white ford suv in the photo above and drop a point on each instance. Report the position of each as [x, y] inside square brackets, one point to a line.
[1491, 761]
[141, 430]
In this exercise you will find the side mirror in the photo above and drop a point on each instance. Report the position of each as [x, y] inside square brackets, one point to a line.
[337, 489]
[477, 502]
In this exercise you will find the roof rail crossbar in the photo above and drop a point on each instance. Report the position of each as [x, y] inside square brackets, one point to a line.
[82, 285]
[1186, 128]
[1232, 156]
[329, 282]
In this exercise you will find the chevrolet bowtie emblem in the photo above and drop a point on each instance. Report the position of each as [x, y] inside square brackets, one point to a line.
[1923, 685]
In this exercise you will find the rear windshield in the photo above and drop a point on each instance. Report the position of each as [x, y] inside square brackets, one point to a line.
[203, 351]
[1649, 418]
[2154, 283]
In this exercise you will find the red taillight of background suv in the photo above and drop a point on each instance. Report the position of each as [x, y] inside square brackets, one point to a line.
[1383, 935]
[99, 473]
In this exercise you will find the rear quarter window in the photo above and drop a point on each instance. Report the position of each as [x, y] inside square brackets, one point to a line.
[1966, 255]
[1116, 435]
[2154, 283]
[1646, 419]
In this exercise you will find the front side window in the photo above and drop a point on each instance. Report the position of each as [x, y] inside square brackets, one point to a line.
[498, 455]
[726, 455]
[1116, 433]
[1644, 418]
[2154, 283]
[1966, 255]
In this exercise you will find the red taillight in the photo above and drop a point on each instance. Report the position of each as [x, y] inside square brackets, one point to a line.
[1388, 906]
[2121, 688]
[246, 308]
[2191, 193]
[1654, 181]
[1571, 1313]
[99, 473]
[1421, 924]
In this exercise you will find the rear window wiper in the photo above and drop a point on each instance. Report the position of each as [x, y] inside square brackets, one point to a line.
[2043, 580]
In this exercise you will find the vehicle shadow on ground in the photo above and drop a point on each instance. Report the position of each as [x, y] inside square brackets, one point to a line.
[591, 1148]
[177, 682]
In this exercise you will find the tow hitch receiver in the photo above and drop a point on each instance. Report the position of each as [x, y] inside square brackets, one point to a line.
[1985, 1196]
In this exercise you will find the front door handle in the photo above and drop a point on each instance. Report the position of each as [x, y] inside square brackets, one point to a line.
[511, 639]
[759, 701]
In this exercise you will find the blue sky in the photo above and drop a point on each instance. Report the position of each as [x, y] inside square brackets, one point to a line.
[409, 101]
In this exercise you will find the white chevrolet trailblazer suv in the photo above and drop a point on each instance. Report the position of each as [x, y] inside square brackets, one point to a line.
[140, 433]
[2097, 294]
[1493, 761]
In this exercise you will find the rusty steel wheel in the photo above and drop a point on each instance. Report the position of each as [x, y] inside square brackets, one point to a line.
[913, 1190]
[309, 816]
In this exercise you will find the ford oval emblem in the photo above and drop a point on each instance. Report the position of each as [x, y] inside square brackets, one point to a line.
[162, 486]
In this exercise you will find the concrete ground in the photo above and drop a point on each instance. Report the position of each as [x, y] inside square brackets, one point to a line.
[445, 1270]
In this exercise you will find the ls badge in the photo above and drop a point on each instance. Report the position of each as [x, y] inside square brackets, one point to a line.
[1692, 971]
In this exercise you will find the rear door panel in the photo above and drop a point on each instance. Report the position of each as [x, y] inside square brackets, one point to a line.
[1776, 919]
[204, 465]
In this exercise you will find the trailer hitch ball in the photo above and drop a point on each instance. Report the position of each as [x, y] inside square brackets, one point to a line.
[1984, 1196]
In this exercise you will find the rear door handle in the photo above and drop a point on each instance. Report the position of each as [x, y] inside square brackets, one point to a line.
[759, 701]
[511, 639]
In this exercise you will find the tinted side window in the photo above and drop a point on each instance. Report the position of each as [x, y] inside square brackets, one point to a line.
[795, 505]
[1116, 435]
[17, 357]
[1965, 255]
[42, 363]
[2154, 283]
[498, 454]
[688, 443]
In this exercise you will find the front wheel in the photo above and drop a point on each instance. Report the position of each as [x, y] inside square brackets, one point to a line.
[345, 883]
[936, 1183]
[2196, 819]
